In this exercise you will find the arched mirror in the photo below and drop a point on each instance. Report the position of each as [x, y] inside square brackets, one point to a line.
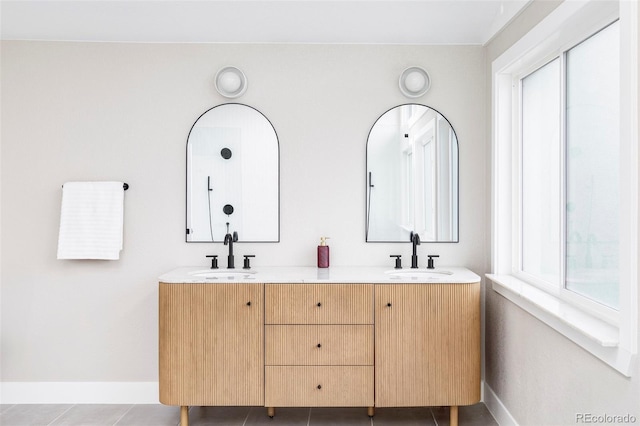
[233, 176]
[412, 176]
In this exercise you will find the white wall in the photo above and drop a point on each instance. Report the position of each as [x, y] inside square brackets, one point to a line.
[540, 376]
[109, 111]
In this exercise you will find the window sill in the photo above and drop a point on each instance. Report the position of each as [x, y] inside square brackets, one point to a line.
[594, 335]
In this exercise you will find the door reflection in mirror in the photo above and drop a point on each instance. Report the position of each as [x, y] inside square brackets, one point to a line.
[412, 176]
[232, 176]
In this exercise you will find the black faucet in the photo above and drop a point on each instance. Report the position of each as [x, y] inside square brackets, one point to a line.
[415, 240]
[229, 240]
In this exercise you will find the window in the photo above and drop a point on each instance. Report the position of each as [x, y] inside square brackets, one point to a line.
[540, 173]
[565, 162]
[592, 167]
[569, 170]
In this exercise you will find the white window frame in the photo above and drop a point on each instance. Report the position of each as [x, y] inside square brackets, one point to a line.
[608, 334]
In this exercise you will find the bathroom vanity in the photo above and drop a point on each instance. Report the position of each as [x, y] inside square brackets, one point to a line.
[305, 337]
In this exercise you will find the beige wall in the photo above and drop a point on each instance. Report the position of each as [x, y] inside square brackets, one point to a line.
[542, 377]
[93, 111]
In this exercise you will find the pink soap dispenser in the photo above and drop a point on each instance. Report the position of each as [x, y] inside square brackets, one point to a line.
[323, 253]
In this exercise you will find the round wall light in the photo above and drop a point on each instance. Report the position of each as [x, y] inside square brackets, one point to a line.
[231, 82]
[414, 82]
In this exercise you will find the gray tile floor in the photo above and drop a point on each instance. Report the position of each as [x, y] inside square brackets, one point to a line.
[162, 415]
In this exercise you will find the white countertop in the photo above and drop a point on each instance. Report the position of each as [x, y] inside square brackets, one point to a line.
[311, 274]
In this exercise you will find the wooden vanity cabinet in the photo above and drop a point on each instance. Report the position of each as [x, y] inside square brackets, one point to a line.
[427, 345]
[315, 345]
[211, 344]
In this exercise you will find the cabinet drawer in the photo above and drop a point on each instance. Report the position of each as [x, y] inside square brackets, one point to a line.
[319, 303]
[319, 386]
[319, 345]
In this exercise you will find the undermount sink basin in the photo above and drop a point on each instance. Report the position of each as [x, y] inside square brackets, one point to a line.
[222, 274]
[419, 274]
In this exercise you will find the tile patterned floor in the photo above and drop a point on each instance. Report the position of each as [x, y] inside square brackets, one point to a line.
[162, 415]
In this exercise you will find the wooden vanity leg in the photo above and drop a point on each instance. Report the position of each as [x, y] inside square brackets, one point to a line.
[453, 415]
[371, 411]
[271, 411]
[184, 415]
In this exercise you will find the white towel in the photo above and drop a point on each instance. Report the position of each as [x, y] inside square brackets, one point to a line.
[91, 220]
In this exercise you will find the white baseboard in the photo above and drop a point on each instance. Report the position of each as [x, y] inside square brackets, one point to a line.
[497, 408]
[79, 393]
[147, 393]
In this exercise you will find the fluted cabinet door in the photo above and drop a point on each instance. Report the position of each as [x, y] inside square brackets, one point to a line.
[211, 344]
[427, 345]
